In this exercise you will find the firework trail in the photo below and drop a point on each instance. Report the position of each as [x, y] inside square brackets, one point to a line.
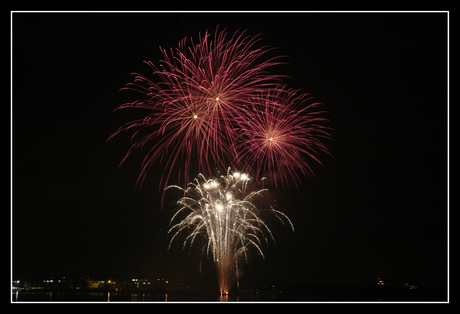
[223, 212]
[200, 91]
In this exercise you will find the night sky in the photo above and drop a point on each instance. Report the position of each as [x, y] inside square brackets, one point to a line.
[376, 208]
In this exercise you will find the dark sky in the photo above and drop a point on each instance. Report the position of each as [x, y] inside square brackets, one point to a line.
[377, 208]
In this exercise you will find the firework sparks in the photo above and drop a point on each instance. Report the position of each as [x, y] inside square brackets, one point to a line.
[277, 135]
[215, 100]
[223, 212]
[199, 91]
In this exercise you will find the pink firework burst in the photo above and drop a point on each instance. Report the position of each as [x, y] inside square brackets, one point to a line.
[277, 136]
[196, 98]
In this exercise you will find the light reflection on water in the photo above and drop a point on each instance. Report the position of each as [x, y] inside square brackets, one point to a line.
[223, 298]
[346, 295]
[86, 296]
[66, 296]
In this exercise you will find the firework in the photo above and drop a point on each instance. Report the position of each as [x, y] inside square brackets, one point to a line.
[194, 100]
[279, 133]
[223, 211]
[214, 101]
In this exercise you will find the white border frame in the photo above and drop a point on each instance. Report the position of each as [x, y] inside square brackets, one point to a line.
[231, 11]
